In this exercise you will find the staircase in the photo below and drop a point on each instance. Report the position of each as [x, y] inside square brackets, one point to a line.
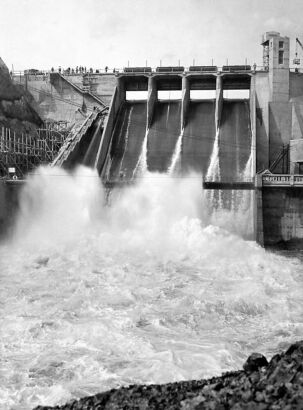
[84, 90]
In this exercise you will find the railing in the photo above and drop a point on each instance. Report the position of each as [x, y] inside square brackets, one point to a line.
[84, 89]
[41, 73]
[268, 180]
[282, 180]
[192, 69]
[96, 71]
[93, 72]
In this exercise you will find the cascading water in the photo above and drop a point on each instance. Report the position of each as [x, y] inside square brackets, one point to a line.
[176, 155]
[236, 195]
[247, 197]
[213, 173]
[231, 148]
[126, 119]
[237, 209]
[141, 167]
[126, 138]
[241, 200]
[167, 114]
[146, 290]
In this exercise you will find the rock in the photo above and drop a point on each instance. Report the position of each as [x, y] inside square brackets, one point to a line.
[296, 348]
[246, 389]
[254, 362]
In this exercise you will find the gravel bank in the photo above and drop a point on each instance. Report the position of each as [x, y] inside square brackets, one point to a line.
[260, 385]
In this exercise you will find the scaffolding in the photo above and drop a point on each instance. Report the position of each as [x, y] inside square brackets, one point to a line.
[24, 152]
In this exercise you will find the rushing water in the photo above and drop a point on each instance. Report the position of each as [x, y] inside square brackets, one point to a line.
[176, 157]
[213, 172]
[147, 289]
[141, 167]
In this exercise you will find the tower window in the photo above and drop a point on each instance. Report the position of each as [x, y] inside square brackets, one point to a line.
[281, 57]
[281, 44]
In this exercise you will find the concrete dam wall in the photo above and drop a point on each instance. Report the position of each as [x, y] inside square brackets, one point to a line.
[282, 214]
[235, 139]
[126, 141]
[162, 135]
[199, 136]
[61, 97]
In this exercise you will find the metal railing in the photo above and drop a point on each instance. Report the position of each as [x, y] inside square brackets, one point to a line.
[110, 71]
[282, 180]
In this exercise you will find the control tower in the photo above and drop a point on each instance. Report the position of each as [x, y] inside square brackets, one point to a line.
[276, 62]
[273, 93]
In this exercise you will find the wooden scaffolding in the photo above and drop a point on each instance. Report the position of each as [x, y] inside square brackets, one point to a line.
[24, 152]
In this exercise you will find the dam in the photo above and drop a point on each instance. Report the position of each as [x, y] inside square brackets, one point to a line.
[177, 132]
[116, 273]
[238, 126]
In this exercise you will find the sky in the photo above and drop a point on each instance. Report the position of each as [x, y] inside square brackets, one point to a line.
[115, 33]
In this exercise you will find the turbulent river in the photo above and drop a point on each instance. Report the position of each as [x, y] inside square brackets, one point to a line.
[146, 289]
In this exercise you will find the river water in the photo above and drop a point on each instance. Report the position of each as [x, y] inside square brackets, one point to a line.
[149, 289]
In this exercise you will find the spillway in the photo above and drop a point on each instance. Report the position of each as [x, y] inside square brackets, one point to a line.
[127, 140]
[163, 135]
[182, 134]
[130, 131]
[197, 139]
[235, 157]
[199, 135]
[235, 139]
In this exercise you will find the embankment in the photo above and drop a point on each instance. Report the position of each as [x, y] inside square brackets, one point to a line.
[261, 385]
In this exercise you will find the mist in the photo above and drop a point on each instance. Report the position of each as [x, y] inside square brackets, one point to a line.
[137, 285]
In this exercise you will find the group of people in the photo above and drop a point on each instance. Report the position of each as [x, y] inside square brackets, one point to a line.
[80, 70]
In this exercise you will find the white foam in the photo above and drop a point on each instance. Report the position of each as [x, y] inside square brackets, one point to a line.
[145, 290]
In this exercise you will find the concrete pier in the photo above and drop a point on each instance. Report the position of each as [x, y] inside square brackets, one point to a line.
[219, 100]
[185, 101]
[151, 100]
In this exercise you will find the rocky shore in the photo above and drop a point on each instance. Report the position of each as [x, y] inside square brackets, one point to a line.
[277, 384]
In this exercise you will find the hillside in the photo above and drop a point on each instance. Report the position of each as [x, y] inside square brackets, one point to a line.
[15, 109]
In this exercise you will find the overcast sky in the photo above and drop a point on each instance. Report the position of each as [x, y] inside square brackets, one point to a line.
[94, 33]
